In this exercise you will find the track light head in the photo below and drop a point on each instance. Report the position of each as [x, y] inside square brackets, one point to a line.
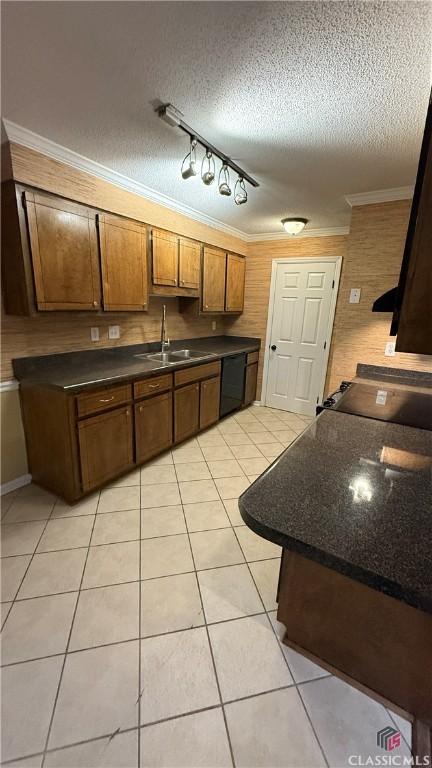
[224, 181]
[189, 166]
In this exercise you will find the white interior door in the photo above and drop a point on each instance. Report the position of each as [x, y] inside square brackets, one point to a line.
[300, 321]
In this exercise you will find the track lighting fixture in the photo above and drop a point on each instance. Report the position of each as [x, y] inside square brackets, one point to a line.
[240, 194]
[189, 168]
[173, 117]
[224, 181]
[208, 168]
[294, 226]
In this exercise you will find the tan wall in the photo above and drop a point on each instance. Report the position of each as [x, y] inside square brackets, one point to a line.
[61, 332]
[372, 255]
[375, 248]
[371, 261]
[13, 453]
[253, 321]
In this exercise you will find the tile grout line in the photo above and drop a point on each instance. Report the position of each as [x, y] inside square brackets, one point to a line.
[67, 644]
[140, 682]
[208, 635]
[285, 660]
[32, 555]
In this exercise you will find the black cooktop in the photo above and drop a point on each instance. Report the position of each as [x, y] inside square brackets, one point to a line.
[400, 406]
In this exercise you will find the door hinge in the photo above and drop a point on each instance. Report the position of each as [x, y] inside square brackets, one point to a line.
[333, 283]
[325, 344]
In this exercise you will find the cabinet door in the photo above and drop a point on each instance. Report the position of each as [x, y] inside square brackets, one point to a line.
[209, 401]
[213, 291]
[105, 443]
[164, 257]
[235, 279]
[251, 383]
[186, 412]
[63, 245]
[153, 426]
[124, 263]
[189, 264]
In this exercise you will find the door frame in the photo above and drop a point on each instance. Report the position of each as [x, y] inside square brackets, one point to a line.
[337, 261]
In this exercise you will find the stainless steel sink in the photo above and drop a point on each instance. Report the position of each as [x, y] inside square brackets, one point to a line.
[190, 354]
[170, 358]
[159, 357]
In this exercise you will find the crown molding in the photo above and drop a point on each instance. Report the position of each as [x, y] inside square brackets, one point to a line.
[324, 232]
[19, 135]
[380, 196]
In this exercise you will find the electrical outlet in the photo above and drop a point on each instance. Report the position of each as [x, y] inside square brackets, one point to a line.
[94, 334]
[390, 349]
[354, 297]
[213, 325]
[113, 331]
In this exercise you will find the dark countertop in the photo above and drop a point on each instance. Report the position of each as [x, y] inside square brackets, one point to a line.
[353, 494]
[77, 371]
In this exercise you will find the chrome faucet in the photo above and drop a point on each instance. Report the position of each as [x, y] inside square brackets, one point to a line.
[165, 342]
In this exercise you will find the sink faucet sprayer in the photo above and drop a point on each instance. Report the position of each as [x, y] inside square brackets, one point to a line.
[165, 342]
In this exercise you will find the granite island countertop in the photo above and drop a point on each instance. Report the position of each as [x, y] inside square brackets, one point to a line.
[87, 369]
[353, 494]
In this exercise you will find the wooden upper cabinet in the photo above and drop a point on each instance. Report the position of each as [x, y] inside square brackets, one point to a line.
[213, 285]
[164, 258]
[124, 263]
[189, 264]
[235, 281]
[64, 252]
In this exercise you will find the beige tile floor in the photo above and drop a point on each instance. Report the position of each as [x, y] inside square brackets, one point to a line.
[139, 626]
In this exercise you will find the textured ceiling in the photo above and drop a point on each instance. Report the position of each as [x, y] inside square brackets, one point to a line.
[315, 99]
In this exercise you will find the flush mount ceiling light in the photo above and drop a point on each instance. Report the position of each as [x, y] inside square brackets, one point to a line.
[173, 117]
[294, 226]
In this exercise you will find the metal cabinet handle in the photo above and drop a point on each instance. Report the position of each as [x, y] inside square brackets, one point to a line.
[127, 412]
[273, 347]
[154, 386]
[140, 409]
[95, 303]
[106, 399]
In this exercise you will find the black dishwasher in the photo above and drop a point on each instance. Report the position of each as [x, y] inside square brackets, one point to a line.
[233, 378]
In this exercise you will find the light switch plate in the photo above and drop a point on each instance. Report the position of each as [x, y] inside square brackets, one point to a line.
[354, 297]
[94, 334]
[390, 349]
[113, 331]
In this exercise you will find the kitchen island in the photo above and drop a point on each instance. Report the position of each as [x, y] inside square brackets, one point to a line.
[350, 502]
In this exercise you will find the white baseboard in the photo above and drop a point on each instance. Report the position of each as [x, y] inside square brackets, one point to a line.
[257, 402]
[13, 485]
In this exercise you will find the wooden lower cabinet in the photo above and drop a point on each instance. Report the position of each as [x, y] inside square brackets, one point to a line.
[209, 402]
[106, 448]
[186, 411]
[153, 426]
[251, 383]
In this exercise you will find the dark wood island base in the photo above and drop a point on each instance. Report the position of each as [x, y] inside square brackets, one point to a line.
[375, 642]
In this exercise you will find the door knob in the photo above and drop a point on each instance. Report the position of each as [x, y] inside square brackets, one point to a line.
[273, 347]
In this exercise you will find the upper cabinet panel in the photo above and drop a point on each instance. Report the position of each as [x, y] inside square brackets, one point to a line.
[124, 263]
[189, 264]
[64, 252]
[213, 287]
[235, 281]
[164, 258]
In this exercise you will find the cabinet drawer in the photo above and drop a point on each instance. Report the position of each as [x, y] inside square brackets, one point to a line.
[252, 357]
[196, 373]
[153, 386]
[92, 402]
